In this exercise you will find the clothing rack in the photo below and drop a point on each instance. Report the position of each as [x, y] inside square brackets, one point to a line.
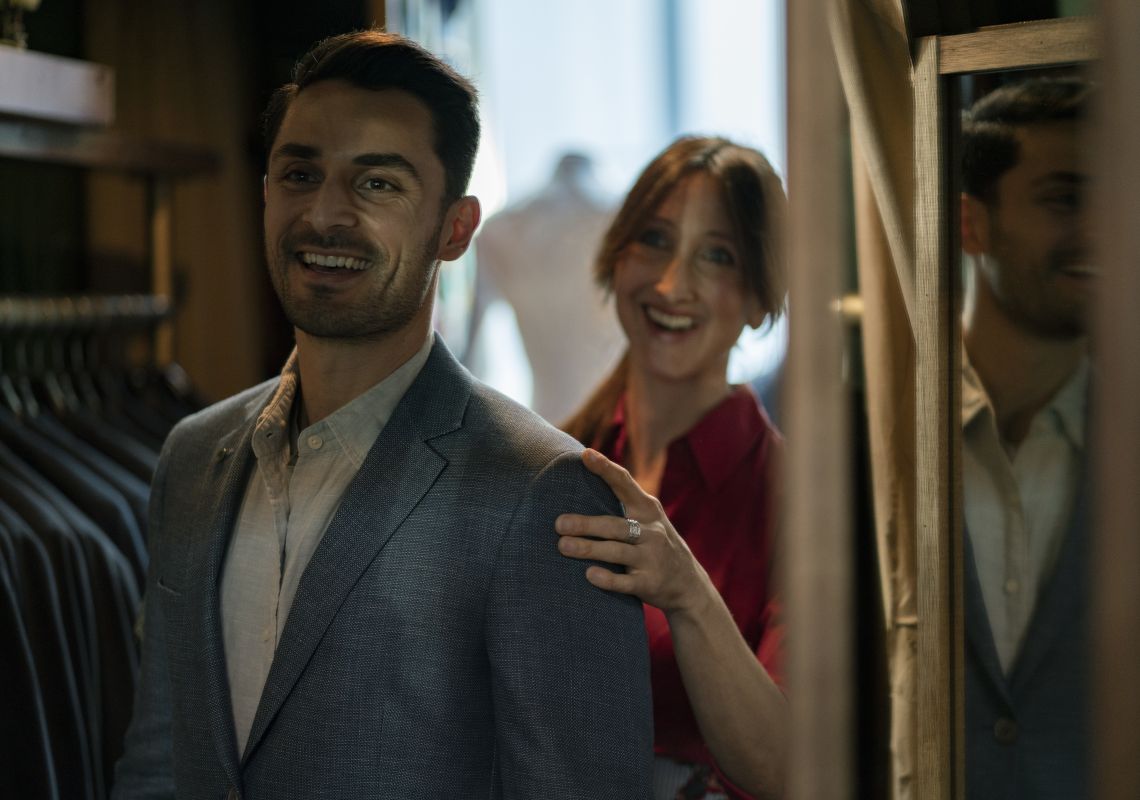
[22, 314]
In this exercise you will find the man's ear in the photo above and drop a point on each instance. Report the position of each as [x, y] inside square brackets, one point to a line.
[459, 227]
[975, 216]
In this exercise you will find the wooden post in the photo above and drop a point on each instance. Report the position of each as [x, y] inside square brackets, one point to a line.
[940, 764]
[1116, 411]
[818, 542]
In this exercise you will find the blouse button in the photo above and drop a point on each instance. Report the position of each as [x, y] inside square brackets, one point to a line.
[315, 442]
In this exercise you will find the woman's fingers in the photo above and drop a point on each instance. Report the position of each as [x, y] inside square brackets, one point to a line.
[610, 552]
[601, 527]
[612, 581]
[621, 483]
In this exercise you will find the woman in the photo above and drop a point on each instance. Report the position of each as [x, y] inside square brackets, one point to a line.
[694, 255]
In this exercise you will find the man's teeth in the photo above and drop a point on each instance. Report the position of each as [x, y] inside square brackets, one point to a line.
[673, 322]
[337, 262]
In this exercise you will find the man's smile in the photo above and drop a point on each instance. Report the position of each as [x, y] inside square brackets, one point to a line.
[332, 262]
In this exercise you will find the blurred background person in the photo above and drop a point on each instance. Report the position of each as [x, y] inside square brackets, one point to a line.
[693, 256]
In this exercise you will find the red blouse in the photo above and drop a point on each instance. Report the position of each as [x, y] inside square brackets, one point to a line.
[718, 490]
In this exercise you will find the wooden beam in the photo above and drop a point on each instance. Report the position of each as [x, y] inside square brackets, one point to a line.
[1023, 45]
[55, 88]
[47, 143]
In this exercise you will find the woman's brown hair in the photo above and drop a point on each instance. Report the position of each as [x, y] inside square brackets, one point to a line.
[756, 204]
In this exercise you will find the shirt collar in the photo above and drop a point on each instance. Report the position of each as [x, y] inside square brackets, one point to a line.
[357, 424]
[1068, 404]
[718, 442]
[974, 397]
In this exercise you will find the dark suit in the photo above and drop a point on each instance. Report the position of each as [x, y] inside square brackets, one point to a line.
[35, 585]
[26, 766]
[1027, 734]
[438, 646]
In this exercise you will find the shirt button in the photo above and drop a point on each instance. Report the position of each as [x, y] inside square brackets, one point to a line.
[1005, 731]
[315, 442]
[1012, 586]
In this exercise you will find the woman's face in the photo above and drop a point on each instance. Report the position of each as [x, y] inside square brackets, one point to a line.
[679, 289]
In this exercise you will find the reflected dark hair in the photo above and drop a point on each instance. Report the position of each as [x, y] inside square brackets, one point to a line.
[757, 207]
[375, 60]
[989, 129]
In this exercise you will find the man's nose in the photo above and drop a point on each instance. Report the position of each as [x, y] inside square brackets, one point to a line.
[330, 206]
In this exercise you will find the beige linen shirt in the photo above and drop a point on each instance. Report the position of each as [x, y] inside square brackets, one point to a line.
[1019, 500]
[291, 497]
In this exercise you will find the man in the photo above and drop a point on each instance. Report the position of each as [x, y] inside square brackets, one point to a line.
[354, 590]
[1024, 413]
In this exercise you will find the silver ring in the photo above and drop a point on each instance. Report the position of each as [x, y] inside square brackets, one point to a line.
[634, 531]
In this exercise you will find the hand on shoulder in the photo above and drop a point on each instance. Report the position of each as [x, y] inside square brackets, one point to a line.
[660, 568]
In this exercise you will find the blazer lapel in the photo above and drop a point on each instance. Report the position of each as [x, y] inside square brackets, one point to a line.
[1060, 608]
[225, 479]
[396, 474]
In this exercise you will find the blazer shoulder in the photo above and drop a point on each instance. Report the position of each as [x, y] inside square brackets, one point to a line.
[513, 432]
[543, 463]
[225, 415]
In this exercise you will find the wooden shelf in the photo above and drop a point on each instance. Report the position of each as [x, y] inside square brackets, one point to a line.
[103, 149]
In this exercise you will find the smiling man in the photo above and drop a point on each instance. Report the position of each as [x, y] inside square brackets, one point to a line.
[354, 590]
[1024, 414]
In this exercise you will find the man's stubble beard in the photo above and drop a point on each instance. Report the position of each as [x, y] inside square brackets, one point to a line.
[386, 308]
[1034, 305]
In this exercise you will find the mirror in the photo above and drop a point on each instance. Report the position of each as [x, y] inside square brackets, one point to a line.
[1028, 277]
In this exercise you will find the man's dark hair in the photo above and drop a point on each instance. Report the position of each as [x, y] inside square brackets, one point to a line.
[989, 142]
[375, 60]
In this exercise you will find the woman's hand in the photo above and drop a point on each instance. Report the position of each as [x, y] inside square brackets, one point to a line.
[660, 569]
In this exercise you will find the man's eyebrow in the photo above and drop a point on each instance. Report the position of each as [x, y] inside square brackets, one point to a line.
[293, 150]
[392, 160]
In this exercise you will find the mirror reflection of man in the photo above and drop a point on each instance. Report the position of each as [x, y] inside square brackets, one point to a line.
[1025, 380]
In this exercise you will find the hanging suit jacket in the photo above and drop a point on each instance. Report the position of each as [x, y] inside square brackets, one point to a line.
[35, 584]
[1027, 733]
[26, 766]
[438, 645]
[109, 600]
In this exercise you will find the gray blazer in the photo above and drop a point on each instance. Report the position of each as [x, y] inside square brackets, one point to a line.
[1028, 734]
[438, 646]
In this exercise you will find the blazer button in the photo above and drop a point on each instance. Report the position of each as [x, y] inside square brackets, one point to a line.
[1005, 731]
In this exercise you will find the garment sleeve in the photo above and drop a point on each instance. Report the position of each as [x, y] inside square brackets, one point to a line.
[146, 768]
[569, 661]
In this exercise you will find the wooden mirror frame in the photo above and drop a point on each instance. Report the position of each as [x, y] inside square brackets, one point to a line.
[939, 61]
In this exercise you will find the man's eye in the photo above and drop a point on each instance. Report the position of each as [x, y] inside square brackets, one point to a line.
[379, 185]
[1067, 202]
[298, 176]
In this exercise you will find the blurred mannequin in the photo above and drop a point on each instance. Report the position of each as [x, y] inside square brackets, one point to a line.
[538, 256]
